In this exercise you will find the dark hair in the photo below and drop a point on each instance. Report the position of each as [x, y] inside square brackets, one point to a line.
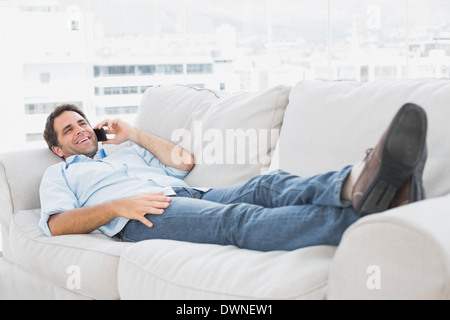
[50, 136]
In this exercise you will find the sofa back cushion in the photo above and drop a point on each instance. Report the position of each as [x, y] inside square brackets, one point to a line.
[232, 136]
[330, 124]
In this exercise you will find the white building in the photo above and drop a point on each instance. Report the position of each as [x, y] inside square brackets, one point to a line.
[120, 83]
[46, 63]
[50, 60]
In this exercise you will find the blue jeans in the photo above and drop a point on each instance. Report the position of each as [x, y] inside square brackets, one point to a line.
[277, 211]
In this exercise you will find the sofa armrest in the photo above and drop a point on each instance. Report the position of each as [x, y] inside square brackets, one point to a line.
[21, 173]
[20, 177]
[400, 254]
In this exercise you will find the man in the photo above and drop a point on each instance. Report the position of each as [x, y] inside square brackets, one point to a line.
[138, 192]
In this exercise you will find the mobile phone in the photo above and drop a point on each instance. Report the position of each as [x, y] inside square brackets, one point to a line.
[101, 134]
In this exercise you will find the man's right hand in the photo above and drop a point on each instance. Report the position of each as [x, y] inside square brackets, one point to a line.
[121, 130]
[87, 219]
[138, 207]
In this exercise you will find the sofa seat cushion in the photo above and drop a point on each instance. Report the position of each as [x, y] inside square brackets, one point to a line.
[86, 264]
[161, 269]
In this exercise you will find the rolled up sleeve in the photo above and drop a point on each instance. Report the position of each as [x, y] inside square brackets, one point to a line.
[153, 161]
[55, 195]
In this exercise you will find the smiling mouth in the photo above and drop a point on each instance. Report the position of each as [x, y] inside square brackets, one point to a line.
[83, 140]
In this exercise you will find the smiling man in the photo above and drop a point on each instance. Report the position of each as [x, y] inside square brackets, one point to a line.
[73, 202]
[138, 193]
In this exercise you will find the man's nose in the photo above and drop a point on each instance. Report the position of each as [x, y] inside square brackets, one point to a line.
[80, 129]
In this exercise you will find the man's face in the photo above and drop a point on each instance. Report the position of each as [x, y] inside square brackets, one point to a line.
[75, 136]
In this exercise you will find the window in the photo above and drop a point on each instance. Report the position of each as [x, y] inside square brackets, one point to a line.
[46, 108]
[75, 25]
[169, 69]
[144, 88]
[45, 77]
[107, 111]
[106, 53]
[116, 90]
[146, 70]
[199, 68]
[105, 71]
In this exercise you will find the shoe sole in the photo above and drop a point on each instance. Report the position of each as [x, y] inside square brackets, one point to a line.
[402, 151]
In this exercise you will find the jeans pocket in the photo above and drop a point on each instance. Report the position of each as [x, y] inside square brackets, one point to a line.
[188, 192]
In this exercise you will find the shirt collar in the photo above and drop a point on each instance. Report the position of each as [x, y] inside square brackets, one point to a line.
[101, 154]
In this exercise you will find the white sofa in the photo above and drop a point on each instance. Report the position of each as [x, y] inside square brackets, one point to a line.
[403, 253]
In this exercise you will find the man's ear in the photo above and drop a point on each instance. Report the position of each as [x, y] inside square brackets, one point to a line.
[58, 151]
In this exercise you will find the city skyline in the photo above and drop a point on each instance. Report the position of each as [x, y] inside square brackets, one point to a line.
[150, 17]
[54, 49]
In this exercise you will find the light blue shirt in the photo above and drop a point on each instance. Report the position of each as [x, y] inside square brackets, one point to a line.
[81, 181]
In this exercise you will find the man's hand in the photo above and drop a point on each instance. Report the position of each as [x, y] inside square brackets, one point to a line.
[166, 151]
[137, 207]
[121, 130]
[87, 219]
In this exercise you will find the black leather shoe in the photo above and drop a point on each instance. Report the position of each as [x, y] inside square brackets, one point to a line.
[392, 162]
[412, 190]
